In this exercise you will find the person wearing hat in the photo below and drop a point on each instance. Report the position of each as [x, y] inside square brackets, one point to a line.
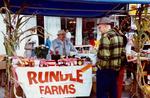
[30, 44]
[61, 45]
[108, 59]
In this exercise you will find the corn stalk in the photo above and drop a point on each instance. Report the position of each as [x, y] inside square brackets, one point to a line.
[142, 23]
[14, 24]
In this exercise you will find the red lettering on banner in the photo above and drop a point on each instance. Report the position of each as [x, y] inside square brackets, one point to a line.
[41, 89]
[32, 77]
[64, 77]
[54, 89]
[72, 78]
[61, 89]
[47, 90]
[79, 76]
[53, 76]
[40, 78]
[72, 89]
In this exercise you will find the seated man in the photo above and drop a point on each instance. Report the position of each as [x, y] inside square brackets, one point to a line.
[61, 45]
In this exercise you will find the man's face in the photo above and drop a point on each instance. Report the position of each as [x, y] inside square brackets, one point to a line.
[62, 36]
[102, 28]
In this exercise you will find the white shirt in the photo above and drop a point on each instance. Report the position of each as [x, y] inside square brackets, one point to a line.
[129, 43]
[68, 35]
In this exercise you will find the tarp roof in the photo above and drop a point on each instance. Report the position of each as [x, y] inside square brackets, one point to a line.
[74, 8]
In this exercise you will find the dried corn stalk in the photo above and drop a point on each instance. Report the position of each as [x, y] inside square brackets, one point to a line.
[14, 24]
[142, 21]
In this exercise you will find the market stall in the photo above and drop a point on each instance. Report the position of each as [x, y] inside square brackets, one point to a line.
[45, 80]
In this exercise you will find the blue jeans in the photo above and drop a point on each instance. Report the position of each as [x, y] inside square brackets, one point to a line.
[106, 81]
[32, 53]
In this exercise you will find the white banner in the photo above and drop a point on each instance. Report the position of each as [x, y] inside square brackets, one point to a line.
[55, 81]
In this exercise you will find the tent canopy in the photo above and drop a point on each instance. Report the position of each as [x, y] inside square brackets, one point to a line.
[73, 8]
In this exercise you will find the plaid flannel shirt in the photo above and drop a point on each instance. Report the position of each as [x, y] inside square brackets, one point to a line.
[110, 51]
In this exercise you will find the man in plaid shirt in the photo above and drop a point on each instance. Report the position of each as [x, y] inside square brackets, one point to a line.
[108, 60]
